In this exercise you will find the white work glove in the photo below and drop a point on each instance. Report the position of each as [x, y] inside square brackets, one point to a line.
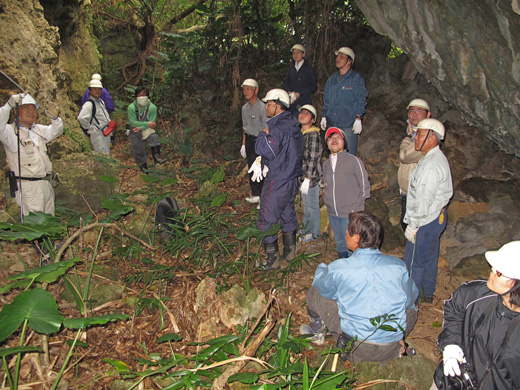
[266, 170]
[243, 151]
[323, 124]
[15, 99]
[256, 168]
[452, 356]
[292, 98]
[357, 128]
[304, 189]
[410, 233]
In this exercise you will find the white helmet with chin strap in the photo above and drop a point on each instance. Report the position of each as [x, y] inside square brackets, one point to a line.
[433, 125]
[279, 96]
[28, 99]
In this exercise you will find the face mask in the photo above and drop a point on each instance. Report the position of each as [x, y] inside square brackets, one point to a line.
[142, 100]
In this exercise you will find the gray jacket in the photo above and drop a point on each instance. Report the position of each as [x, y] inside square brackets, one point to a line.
[347, 187]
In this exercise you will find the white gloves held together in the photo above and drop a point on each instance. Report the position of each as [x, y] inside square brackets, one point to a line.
[410, 233]
[451, 357]
[304, 189]
[243, 151]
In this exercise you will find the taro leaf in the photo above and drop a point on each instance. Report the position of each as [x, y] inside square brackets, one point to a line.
[48, 273]
[248, 231]
[218, 176]
[35, 226]
[244, 377]
[37, 306]
[116, 208]
[217, 201]
[168, 337]
[80, 323]
[108, 179]
[17, 350]
[120, 366]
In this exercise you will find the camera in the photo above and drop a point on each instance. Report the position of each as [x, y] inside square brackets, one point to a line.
[466, 379]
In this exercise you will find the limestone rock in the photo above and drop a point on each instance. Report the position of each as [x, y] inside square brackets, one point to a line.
[470, 52]
[237, 306]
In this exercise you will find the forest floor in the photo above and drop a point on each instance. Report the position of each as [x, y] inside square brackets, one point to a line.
[134, 339]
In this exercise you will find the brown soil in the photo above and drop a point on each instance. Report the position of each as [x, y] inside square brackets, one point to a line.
[125, 340]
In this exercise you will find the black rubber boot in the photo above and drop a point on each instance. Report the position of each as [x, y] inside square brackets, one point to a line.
[156, 153]
[144, 168]
[271, 260]
[289, 246]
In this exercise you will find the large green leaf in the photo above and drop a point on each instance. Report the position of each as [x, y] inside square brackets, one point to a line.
[244, 377]
[34, 226]
[16, 350]
[80, 323]
[37, 306]
[47, 273]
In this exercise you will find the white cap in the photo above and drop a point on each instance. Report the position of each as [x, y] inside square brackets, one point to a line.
[96, 76]
[347, 51]
[506, 260]
[95, 84]
[250, 83]
[28, 99]
[278, 95]
[309, 108]
[298, 47]
[419, 103]
[432, 124]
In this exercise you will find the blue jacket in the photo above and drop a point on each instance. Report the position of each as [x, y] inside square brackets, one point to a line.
[282, 148]
[302, 81]
[344, 98]
[366, 285]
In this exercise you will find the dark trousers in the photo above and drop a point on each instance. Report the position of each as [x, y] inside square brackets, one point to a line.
[327, 310]
[403, 212]
[256, 188]
[277, 204]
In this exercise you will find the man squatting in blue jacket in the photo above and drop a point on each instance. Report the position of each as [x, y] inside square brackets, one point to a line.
[280, 148]
[347, 293]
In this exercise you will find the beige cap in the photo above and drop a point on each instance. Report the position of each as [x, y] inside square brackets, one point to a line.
[347, 51]
[250, 83]
[298, 47]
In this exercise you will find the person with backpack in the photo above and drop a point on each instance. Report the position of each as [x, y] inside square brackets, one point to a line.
[142, 117]
[94, 118]
[105, 96]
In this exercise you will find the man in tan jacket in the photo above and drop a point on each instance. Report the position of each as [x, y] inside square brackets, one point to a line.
[418, 109]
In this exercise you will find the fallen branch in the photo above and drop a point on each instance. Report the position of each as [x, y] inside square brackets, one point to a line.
[94, 226]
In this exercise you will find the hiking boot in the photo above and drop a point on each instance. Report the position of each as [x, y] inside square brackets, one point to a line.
[272, 260]
[318, 336]
[289, 246]
[144, 168]
[428, 299]
[156, 154]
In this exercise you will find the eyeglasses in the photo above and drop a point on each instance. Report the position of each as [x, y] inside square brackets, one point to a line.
[416, 111]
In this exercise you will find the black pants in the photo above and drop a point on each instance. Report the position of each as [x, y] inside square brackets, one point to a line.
[256, 188]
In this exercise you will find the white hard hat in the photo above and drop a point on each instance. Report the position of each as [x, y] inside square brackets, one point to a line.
[298, 47]
[506, 260]
[250, 83]
[419, 103]
[347, 51]
[28, 99]
[96, 76]
[310, 108]
[95, 84]
[432, 124]
[279, 96]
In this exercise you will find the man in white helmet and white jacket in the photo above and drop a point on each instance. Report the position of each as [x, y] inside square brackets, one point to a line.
[36, 193]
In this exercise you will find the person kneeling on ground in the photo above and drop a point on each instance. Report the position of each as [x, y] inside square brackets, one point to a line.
[349, 292]
[142, 117]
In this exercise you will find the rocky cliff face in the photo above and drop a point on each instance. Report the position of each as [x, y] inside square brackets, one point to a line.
[470, 52]
[53, 64]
